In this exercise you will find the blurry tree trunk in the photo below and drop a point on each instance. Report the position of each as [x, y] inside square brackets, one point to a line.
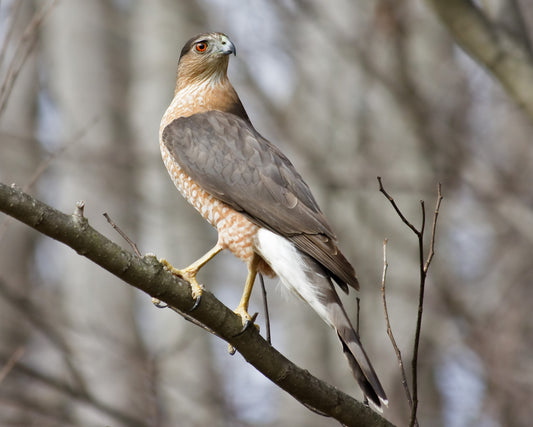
[508, 58]
[20, 155]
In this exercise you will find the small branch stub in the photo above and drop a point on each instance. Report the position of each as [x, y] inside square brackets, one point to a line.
[80, 206]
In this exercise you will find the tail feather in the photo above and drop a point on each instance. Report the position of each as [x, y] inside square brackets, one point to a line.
[362, 370]
[307, 279]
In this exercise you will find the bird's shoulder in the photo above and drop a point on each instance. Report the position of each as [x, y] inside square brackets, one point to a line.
[235, 162]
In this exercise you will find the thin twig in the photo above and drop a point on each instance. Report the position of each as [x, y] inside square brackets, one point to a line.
[433, 228]
[191, 319]
[389, 328]
[365, 399]
[265, 305]
[25, 46]
[396, 208]
[358, 302]
[123, 235]
[11, 362]
[418, 329]
[7, 39]
[423, 269]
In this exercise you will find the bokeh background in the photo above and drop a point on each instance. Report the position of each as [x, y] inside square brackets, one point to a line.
[350, 90]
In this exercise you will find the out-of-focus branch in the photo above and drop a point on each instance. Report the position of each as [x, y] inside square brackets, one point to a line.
[11, 362]
[507, 58]
[148, 275]
[33, 314]
[74, 392]
[22, 51]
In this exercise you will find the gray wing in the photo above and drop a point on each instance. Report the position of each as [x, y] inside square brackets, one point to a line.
[228, 158]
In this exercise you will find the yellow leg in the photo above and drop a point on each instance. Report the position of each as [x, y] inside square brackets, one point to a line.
[242, 309]
[191, 271]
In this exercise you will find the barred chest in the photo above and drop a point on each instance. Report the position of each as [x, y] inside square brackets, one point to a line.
[235, 231]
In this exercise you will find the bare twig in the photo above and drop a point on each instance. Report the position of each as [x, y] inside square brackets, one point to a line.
[433, 229]
[389, 329]
[11, 362]
[396, 208]
[358, 302]
[191, 319]
[265, 305]
[25, 46]
[14, 14]
[123, 235]
[423, 268]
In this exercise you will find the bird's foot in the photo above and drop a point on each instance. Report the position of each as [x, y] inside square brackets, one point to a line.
[247, 321]
[188, 274]
[158, 303]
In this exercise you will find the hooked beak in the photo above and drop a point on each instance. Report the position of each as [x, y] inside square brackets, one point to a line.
[228, 47]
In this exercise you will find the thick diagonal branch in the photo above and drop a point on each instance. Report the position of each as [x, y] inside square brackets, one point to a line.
[148, 275]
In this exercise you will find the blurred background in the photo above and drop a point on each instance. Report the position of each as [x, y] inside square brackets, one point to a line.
[349, 90]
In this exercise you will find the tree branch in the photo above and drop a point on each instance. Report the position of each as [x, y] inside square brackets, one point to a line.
[405, 385]
[423, 268]
[508, 59]
[148, 275]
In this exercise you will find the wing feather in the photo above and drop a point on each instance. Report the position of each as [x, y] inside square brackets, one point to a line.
[227, 157]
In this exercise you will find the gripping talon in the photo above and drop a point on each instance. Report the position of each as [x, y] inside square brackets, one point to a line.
[196, 302]
[188, 274]
[158, 303]
[249, 321]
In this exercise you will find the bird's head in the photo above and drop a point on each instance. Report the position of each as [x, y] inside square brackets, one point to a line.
[205, 57]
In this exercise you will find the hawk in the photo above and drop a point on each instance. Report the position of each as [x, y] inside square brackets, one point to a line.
[251, 193]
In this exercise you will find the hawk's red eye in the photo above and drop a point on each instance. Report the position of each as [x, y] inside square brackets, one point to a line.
[201, 46]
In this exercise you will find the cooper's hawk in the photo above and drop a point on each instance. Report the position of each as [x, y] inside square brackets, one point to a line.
[245, 187]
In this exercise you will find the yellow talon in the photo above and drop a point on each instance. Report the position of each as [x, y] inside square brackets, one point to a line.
[243, 313]
[247, 321]
[188, 274]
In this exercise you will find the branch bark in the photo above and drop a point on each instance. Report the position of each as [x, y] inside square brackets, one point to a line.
[148, 275]
[506, 57]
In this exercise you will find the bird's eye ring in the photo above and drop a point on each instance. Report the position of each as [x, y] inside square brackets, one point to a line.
[201, 47]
